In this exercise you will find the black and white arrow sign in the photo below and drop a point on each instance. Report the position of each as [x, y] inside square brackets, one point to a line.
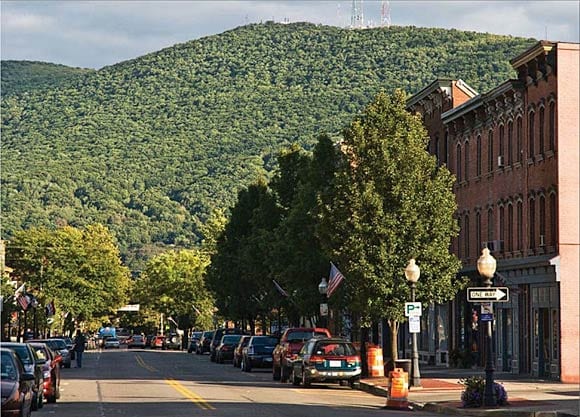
[485, 294]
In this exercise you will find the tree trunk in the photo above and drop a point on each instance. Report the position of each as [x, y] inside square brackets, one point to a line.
[364, 332]
[394, 327]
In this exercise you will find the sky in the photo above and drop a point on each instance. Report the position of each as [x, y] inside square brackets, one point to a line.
[94, 34]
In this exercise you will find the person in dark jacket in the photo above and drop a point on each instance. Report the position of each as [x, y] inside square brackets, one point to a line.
[79, 348]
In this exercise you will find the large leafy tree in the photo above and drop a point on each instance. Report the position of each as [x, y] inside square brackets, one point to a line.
[79, 269]
[391, 202]
[173, 284]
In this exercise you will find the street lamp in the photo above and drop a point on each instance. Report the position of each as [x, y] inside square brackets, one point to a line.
[323, 290]
[486, 266]
[412, 273]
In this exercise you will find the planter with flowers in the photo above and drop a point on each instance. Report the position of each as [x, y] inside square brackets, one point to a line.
[472, 395]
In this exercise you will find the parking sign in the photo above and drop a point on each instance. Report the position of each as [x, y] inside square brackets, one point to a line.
[413, 309]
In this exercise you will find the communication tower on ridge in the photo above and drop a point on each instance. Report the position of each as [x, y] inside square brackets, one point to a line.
[385, 13]
[357, 17]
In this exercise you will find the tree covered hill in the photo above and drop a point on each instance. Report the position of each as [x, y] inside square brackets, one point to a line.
[21, 76]
[149, 147]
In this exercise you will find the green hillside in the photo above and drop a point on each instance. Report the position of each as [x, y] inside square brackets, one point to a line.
[150, 146]
[25, 76]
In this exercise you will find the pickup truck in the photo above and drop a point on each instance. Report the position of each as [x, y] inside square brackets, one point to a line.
[287, 349]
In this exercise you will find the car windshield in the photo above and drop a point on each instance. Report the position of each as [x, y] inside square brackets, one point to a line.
[301, 336]
[230, 340]
[333, 348]
[265, 341]
[8, 371]
[196, 335]
[56, 344]
[40, 352]
[137, 338]
[23, 353]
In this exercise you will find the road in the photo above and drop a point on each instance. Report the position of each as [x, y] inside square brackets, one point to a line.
[146, 383]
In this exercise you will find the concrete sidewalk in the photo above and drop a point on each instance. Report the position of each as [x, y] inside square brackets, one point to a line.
[440, 392]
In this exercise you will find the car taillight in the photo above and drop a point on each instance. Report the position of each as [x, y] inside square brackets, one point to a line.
[46, 374]
[353, 361]
[316, 359]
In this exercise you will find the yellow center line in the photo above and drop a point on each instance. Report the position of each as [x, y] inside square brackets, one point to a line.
[196, 399]
[142, 364]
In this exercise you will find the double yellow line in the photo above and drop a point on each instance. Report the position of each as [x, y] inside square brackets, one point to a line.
[196, 399]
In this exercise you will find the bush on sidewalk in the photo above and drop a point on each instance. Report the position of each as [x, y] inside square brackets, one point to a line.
[472, 395]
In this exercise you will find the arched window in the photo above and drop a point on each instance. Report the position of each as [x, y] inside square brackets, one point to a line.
[490, 224]
[531, 135]
[510, 143]
[542, 220]
[519, 139]
[437, 155]
[478, 162]
[553, 220]
[501, 150]
[478, 239]
[552, 126]
[458, 164]
[520, 225]
[532, 224]
[445, 147]
[466, 236]
[542, 124]
[510, 229]
[490, 151]
[466, 162]
[502, 223]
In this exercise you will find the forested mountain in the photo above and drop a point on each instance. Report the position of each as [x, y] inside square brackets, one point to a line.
[21, 76]
[150, 146]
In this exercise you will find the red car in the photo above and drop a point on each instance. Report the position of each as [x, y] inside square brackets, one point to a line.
[17, 386]
[158, 342]
[50, 370]
[287, 350]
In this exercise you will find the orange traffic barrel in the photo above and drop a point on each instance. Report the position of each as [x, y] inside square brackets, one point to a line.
[375, 361]
[398, 389]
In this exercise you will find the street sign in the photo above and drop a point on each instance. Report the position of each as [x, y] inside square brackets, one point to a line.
[486, 311]
[491, 294]
[323, 309]
[414, 324]
[412, 309]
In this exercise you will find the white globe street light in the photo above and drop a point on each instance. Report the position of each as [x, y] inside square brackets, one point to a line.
[412, 273]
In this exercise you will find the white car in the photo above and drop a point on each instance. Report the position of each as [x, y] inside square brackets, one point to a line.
[111, 342]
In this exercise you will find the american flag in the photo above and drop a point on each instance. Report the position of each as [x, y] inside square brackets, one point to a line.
[335, 279]
[24, 301]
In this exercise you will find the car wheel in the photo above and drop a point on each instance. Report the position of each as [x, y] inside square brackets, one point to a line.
[275, 373]
[284, 373]
[51, 399]
[25, 411]
[305, 380]
[248, 366]
[34, 404]
[294, 378]
[40, 400]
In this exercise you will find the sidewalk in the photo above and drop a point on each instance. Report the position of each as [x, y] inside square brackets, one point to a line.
[440, 392]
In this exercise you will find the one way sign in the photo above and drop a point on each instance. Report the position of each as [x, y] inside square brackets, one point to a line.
[485, 294]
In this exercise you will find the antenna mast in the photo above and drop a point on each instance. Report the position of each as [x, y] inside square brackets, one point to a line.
[356, 17]
[385, 13]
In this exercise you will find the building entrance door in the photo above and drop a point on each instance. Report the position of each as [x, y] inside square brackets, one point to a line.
[506, 339]
[543, 341]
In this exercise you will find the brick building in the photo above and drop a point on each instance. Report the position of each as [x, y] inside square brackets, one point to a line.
[515, 153]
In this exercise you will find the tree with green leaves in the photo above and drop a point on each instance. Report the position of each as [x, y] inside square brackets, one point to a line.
[173, 284]
[390, 203]
[79, 269]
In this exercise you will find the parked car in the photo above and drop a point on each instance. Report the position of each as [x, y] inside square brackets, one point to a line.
[217, 337]
[172, 341]
[148, 339]
[67, 341]
[204, 342]
[112, 343]
[157, 342]
[290, 344]
[194, 341]
[237, 360]
[326, 360]
[17, 385]
[59, 346]
[258, 352]
[32, 365]
[136, 341]
[225, 350]
[50, 370]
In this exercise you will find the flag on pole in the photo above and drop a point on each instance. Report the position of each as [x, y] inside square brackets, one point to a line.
[280, 289]
[50, 309]
[19, 290]
[24, 301]
[334, 280]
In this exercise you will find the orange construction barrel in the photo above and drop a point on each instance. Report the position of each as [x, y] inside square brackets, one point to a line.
[375, 361]
[398, 389]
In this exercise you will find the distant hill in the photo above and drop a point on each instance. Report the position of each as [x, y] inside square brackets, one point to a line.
[149, 146]
[27, 76]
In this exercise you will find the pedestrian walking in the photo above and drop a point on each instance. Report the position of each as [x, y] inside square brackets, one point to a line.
[79, 348]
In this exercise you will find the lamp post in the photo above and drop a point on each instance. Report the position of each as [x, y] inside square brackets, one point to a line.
[323, 290]
[412, 273]
[486, 265]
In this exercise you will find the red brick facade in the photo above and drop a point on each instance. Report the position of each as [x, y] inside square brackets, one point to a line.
[515, 153]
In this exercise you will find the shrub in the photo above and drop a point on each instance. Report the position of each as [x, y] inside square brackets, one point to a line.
[472, 395]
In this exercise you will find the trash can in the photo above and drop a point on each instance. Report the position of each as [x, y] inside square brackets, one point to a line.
[404, 364]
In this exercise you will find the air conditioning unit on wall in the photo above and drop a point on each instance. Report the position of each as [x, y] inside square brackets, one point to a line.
[542, 241]
[500, 161]
[493, 245]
